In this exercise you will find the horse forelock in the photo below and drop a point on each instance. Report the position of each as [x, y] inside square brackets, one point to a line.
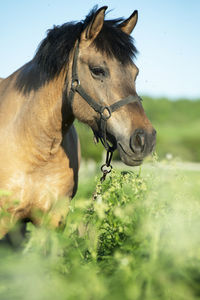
[53, 52]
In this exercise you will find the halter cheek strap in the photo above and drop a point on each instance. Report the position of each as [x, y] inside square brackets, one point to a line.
[105, 112]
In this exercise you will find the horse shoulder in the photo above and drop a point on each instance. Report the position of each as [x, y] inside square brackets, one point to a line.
[60, 174]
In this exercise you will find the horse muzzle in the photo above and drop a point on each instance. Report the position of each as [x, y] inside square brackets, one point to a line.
[140, 144]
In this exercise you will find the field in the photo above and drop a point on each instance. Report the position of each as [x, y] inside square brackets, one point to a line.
[139, 239]
[134, 237]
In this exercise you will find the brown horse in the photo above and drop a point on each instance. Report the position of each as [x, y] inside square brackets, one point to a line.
[81, 70]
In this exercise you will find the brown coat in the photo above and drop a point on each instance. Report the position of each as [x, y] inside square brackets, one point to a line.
[39, 148]
[38, 164]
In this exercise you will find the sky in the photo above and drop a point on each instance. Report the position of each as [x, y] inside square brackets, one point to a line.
[167, 36]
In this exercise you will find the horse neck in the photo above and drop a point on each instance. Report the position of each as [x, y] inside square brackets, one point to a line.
[43, 120]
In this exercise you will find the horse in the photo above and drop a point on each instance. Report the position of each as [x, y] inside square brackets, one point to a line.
[83, 70]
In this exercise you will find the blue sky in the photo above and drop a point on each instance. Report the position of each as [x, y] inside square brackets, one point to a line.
[167, 37]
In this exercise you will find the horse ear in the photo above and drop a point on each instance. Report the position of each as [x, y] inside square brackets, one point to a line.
[128, 25]
[95, 26]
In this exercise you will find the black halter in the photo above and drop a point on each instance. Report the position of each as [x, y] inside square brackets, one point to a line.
[105, 112]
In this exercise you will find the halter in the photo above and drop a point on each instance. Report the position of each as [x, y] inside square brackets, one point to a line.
[105, 112]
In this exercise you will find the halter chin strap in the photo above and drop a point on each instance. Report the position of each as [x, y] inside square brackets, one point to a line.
[105, 112]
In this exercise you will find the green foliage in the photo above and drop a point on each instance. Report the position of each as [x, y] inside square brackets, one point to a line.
[116, 204]
[134, 237]
[177, 124]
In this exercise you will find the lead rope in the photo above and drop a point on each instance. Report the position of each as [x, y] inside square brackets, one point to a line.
[107, 167]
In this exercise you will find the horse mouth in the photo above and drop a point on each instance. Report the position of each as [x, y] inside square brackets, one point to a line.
[127, 158]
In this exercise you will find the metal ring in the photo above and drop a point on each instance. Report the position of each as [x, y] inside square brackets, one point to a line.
[102, 112]
[104, 168]
[75, 84]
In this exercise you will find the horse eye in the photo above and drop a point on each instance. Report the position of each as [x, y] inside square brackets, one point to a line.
[97, 71]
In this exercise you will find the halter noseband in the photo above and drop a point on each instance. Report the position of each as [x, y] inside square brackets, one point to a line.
[105, 112]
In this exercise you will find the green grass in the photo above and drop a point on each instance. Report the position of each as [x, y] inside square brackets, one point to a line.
[139, 239]
[177, 124]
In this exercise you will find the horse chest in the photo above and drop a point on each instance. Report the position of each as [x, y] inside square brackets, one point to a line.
[41, 188]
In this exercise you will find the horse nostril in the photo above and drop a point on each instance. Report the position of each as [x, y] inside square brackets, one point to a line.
[137, 141]
[140, 139]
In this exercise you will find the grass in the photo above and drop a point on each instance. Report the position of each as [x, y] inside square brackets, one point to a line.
[177, 124]
[139, 239]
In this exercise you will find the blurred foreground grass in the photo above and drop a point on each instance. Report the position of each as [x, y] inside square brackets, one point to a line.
[139, 239]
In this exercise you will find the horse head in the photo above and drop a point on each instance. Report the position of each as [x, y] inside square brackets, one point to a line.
[103, 92]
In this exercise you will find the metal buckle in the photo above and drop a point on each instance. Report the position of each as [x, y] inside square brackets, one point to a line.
[105, 170]
[103, 116]
[75, 84]
[107, 167]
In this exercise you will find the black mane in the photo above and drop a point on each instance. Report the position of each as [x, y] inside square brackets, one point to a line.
[53, 52]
